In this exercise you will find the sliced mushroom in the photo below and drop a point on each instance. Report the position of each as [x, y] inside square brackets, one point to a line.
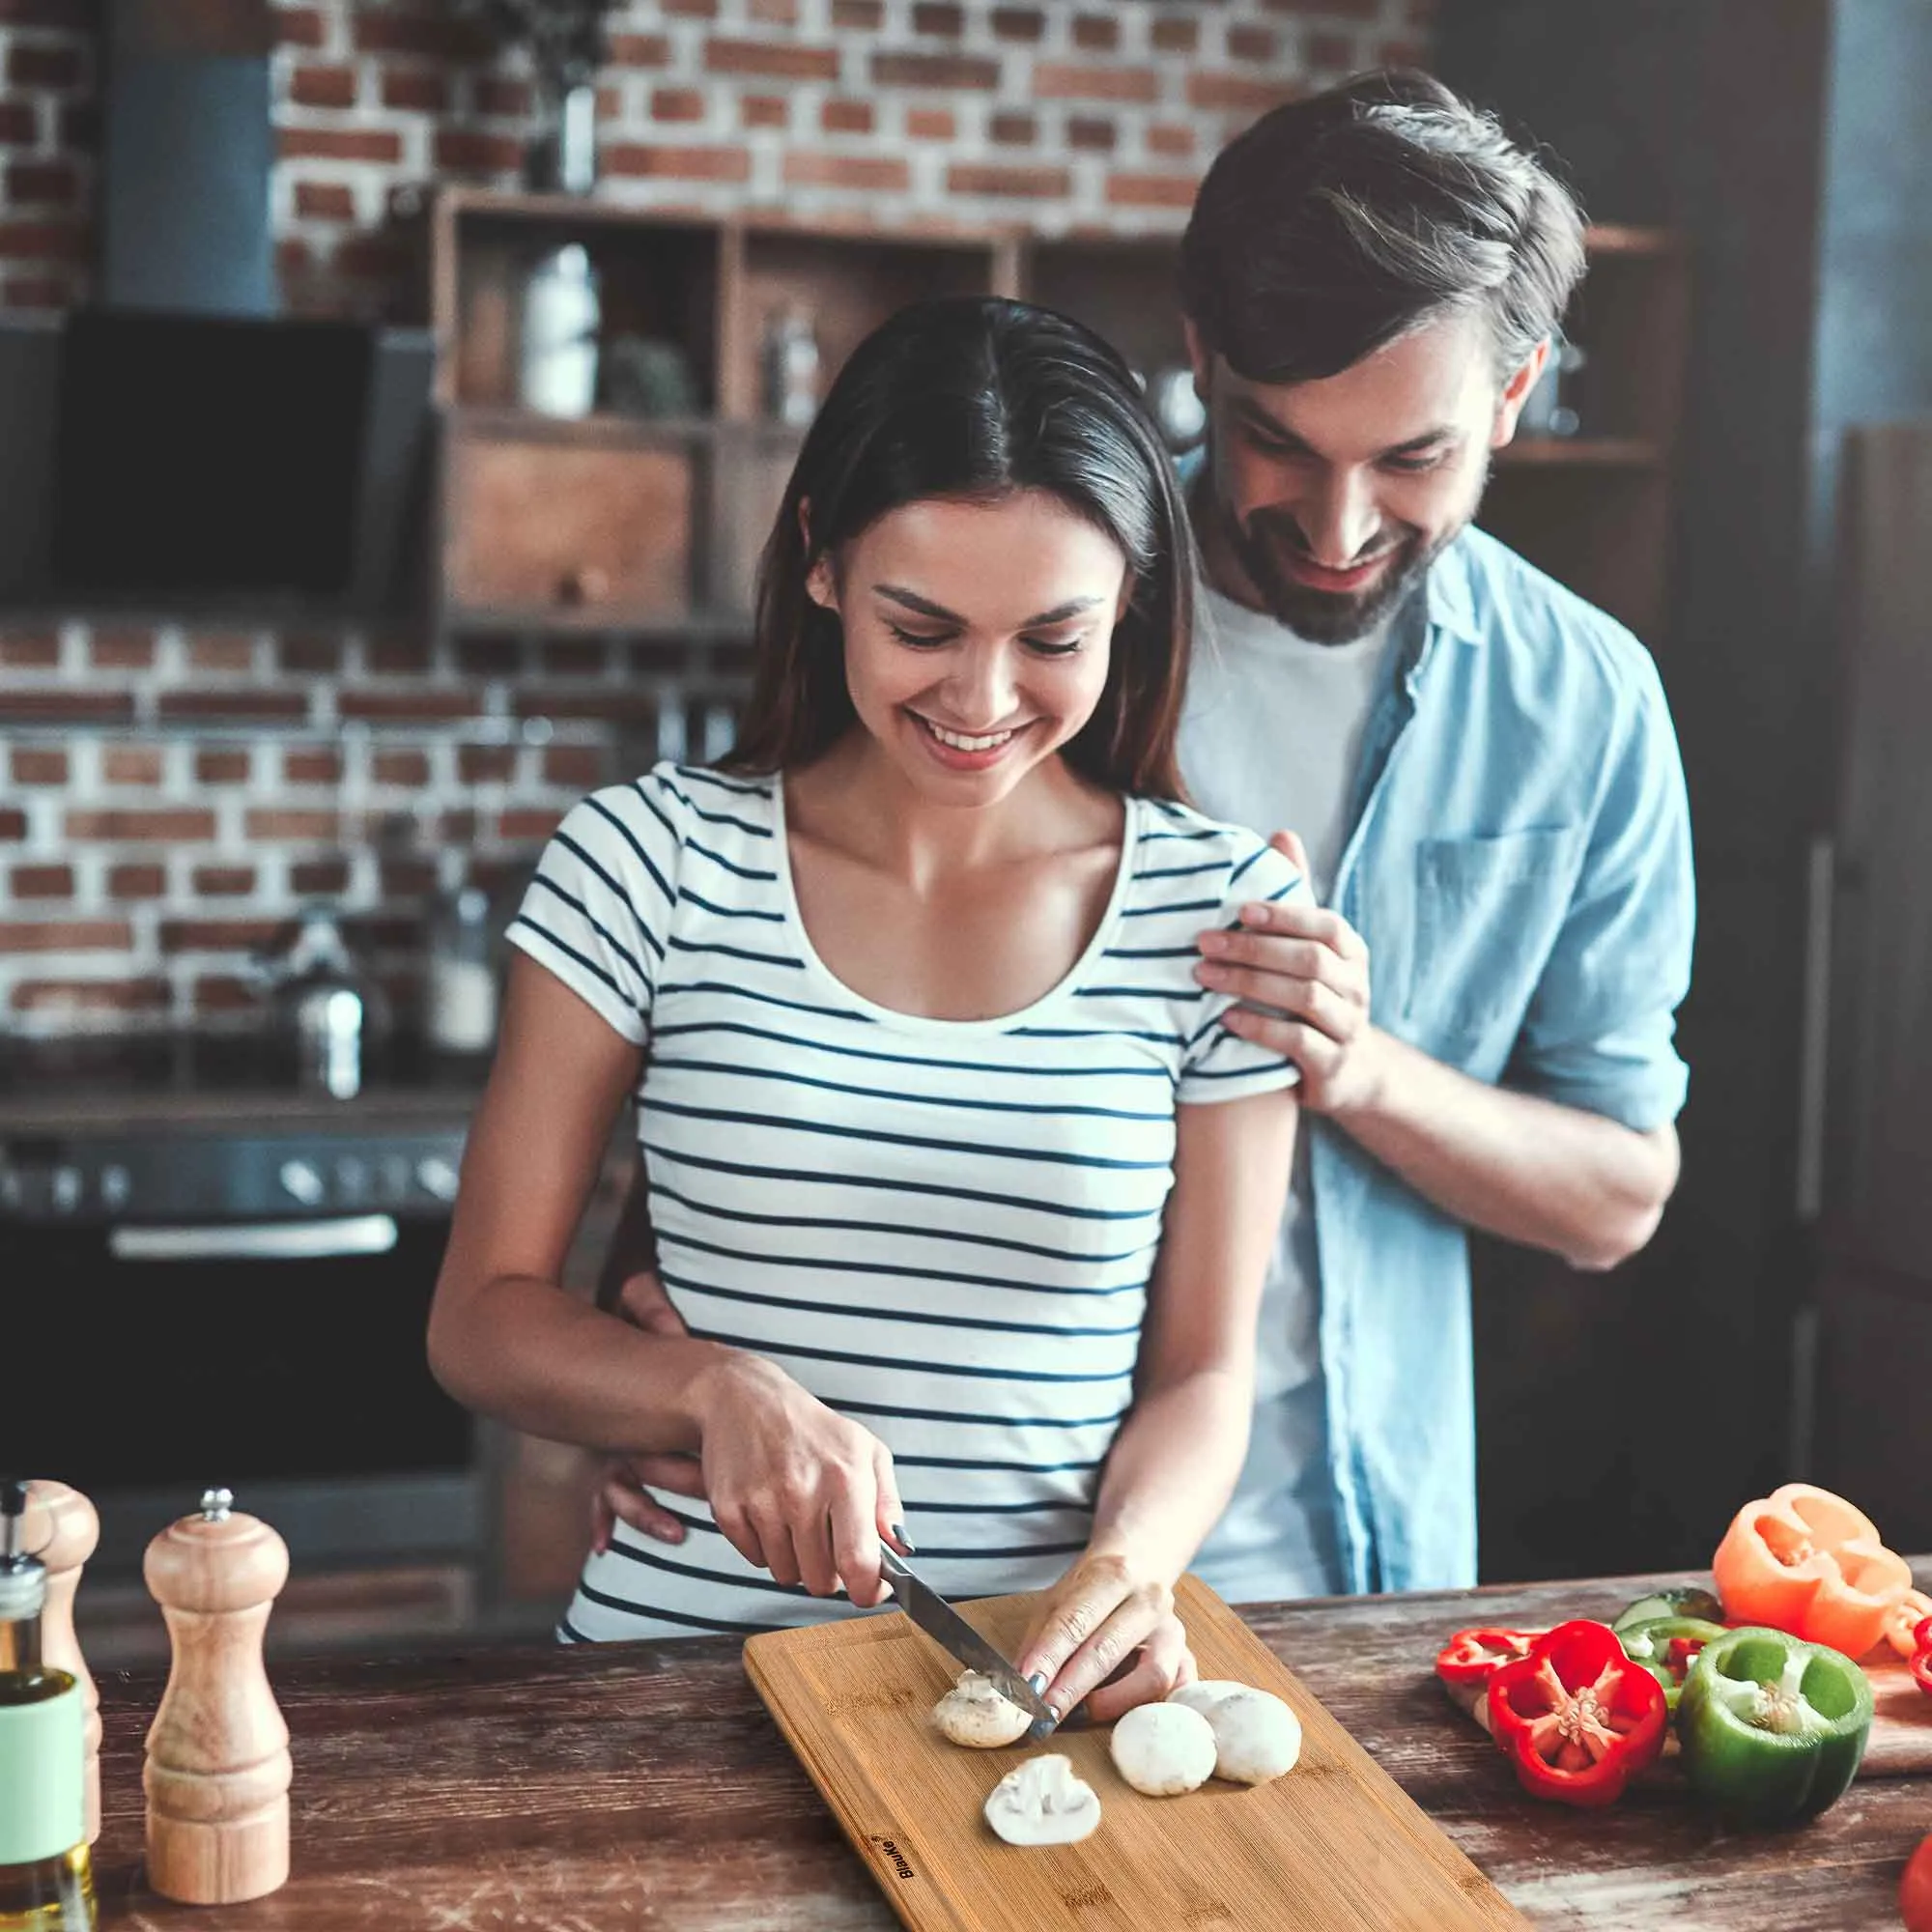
[974, 1712]
[1043, 1803]
[1257, 1737]
[1164, 1750]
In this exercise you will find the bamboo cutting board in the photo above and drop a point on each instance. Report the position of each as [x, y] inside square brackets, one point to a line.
[1334, 1845]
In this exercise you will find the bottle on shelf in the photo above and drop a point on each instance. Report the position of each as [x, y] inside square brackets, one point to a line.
[46, 1876]
[792, 366]
[562, 313]
[461, 1004]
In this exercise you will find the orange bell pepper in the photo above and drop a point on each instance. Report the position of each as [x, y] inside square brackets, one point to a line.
[1806, 1561]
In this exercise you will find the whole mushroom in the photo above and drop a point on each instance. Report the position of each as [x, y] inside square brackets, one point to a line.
[974, 1712]
[1043, 1803]
[1164, 1750]
[1257, 1737]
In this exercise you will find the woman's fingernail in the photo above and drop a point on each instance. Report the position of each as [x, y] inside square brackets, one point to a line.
[903, 1540]
[1213, 943]
[1037, 1682]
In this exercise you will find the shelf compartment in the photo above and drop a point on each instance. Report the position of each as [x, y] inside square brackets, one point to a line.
[847, 284]
[572, 529]
[1125, 288]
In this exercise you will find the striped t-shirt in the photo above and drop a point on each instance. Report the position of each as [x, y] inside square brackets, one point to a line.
[942, 1229]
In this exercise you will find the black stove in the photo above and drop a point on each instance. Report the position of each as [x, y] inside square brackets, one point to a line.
[244, 1171]
[245, 1267]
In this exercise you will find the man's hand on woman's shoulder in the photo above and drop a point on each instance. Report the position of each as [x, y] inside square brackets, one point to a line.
[1301, 973]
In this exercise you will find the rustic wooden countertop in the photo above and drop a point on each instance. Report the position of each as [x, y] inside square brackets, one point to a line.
[575, 1790]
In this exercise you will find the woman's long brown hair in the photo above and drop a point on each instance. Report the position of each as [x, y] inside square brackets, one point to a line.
[973, 398]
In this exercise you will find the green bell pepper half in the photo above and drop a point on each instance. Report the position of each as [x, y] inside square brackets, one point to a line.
[1651, 1645]
[1772, 1728]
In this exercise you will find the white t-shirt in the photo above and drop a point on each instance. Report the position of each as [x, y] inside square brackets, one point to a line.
[941, 1228]
[1271, 738]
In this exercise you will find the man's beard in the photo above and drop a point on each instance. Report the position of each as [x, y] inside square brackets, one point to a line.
[1327, 616]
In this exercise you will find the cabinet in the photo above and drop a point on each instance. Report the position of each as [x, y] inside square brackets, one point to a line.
[649, 513]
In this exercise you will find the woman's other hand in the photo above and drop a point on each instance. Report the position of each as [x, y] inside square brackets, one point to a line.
[794, 1486]
[1100, 1619]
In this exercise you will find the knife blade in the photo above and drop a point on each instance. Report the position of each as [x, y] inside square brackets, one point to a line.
[954, 1636]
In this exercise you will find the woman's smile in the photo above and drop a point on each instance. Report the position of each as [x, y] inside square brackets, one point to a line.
[966, 751]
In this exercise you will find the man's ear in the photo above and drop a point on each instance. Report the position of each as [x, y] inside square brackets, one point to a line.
[1516, 392]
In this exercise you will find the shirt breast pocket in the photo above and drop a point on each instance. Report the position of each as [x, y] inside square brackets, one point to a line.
[1487, 912]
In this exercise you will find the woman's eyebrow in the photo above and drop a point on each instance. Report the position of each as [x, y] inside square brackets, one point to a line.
[927, 608]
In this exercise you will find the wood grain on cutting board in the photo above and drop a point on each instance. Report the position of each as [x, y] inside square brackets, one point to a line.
[1336, 1844]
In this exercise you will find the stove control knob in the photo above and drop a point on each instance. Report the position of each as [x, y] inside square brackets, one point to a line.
[302, 1182]
[64, 1188]
[437, 1177]
[115, 1187]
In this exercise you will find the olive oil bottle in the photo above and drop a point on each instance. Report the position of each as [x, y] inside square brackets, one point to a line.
[47, 1880]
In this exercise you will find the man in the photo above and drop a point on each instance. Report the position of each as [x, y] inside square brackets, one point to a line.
[1487, 789]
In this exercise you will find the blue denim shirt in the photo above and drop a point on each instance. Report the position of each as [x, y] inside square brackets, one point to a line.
[1520, 866]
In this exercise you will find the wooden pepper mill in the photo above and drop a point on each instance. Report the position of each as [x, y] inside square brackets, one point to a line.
[62, 1529]
[217, 1772]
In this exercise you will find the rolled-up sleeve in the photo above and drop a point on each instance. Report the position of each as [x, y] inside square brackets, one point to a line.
[1601, 1030]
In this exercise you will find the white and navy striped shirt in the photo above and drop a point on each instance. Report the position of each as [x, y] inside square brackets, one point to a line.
[943, 1229]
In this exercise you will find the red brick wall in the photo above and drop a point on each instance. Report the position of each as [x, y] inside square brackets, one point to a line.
[1094, 110]
[48, 137]
[169, 793]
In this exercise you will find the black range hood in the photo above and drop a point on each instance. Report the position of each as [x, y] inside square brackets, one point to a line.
[178, 445]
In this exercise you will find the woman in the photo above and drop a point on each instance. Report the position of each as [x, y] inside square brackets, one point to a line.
[962, 1191]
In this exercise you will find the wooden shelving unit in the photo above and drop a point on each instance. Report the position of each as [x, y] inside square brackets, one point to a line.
[627, 522]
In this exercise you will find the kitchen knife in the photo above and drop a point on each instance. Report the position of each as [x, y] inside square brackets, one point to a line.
[954, 1636]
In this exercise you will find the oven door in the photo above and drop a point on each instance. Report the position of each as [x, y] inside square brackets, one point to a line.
[234, 1353]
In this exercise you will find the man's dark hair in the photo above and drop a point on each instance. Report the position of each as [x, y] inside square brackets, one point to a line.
[1336, 224]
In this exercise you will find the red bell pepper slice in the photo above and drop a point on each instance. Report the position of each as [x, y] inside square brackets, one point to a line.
[1922, 1657]
[1470, 1655]
[1576, 1716]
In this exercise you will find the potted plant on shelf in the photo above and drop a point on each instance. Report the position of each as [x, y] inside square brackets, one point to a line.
[567, 46]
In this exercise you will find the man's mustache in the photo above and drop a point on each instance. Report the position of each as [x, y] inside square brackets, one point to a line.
[1271, 526]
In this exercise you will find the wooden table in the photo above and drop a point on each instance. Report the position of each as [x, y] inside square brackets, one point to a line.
[644, 1786]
